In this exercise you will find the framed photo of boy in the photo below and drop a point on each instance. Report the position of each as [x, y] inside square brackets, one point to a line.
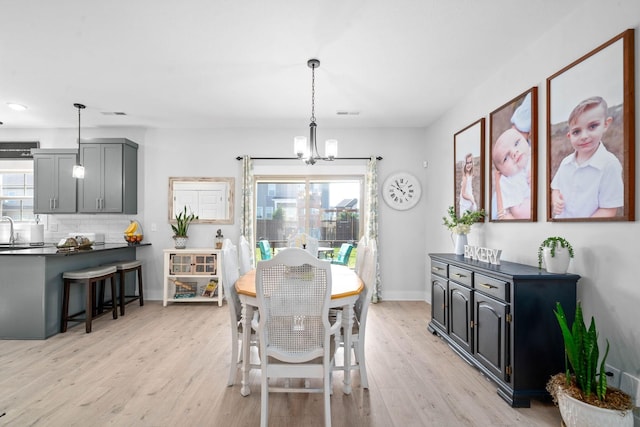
[468, 168]
[591, 136]
[512, 154]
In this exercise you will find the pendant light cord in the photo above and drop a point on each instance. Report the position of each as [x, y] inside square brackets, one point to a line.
[79, 107]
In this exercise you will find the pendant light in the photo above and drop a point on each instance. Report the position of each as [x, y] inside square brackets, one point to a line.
[309, 152]
[78, 170]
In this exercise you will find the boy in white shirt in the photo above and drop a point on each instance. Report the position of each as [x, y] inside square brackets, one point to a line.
[588, 182]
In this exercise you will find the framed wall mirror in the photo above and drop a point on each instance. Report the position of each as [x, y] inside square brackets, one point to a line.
[211, 199]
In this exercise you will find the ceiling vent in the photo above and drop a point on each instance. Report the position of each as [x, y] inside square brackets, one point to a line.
[114, 113]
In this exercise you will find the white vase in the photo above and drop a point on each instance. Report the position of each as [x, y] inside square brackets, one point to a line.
[576, 413]
[180, 242]
[557, 264]
[460, 241]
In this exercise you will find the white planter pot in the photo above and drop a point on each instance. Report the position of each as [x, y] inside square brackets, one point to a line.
[180, 242]
[460, 241]
[576, 413]
[557, 264]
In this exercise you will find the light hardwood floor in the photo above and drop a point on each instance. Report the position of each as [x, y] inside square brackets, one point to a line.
[168, 366]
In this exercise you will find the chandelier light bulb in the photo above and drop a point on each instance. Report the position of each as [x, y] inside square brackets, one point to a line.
[300, 146]
[331, 148]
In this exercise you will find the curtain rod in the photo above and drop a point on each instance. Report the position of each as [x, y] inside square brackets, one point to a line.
[296, 158]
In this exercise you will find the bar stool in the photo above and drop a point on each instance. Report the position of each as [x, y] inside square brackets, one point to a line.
[89, 277]
[123, 268]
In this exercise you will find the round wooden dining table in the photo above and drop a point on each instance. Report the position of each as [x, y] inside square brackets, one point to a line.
[346, 286]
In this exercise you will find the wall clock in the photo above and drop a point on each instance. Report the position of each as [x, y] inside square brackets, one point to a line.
[401, 191]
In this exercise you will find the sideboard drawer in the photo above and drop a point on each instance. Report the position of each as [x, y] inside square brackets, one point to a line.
[491, 286]
[439, 268]
[460, 275]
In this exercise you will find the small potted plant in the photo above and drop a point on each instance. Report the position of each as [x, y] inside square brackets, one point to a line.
[183, 220]
[581, 392]
[460, 226]
[556, 252]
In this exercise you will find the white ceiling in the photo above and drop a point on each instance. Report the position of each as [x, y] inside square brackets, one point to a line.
[243, 63]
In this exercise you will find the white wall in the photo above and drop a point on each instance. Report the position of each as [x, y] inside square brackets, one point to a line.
[206, 152]
[213, 152]
[604, 252]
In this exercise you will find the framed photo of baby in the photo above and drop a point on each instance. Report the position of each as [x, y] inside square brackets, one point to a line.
[591, 136]
[512, 159]
[468, 168]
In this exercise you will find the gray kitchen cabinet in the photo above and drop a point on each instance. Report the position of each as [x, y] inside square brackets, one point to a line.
[54, 186]
[110, 184]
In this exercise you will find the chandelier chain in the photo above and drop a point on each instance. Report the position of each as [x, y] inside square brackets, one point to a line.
[313, 93]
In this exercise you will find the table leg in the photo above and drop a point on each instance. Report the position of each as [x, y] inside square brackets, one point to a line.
[247, 315]
[347, 325]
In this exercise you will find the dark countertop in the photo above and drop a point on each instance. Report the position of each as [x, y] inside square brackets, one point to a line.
[52, 250]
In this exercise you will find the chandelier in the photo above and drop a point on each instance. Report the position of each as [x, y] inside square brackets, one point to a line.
[307, 151]
[78, 170]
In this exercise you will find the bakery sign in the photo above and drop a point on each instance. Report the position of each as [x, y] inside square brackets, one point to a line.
[483, 254]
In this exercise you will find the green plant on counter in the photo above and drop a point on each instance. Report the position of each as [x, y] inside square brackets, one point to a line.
[183, 220]
[553, 243]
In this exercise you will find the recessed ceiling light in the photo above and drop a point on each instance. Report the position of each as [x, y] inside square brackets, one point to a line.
[114, 113]
[17, 107]
[347, 113]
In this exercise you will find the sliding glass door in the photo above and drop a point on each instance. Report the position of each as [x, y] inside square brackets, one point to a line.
[327, 208]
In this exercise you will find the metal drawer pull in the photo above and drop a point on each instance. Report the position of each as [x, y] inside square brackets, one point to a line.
[488, 286]
[437, 268]
[459, 275]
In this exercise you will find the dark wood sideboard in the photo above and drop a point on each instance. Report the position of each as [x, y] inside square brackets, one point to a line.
[500, 319]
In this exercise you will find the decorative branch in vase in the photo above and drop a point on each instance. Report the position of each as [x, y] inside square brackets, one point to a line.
[461, 226]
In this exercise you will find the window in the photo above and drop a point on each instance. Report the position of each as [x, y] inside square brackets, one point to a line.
[327, 208]
[16, 190]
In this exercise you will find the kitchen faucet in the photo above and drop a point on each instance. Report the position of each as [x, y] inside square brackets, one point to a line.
[12, 239]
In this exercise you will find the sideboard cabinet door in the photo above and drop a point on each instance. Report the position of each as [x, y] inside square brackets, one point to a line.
[491, 335]
[439, 312]
[460, 315]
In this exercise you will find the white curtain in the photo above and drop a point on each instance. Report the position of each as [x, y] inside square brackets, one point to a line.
[247, 217]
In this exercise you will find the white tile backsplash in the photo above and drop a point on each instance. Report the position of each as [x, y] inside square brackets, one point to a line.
[111, 225]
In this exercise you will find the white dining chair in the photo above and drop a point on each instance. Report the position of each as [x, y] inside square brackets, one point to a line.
[360, 309]
[293, 291]
[360, 250]
[231, 274]
[245, 256]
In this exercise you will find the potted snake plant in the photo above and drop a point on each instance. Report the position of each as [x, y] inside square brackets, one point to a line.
[581, 392]
[180, 228]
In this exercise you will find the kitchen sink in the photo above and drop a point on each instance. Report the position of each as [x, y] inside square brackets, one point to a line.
[15, 247]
